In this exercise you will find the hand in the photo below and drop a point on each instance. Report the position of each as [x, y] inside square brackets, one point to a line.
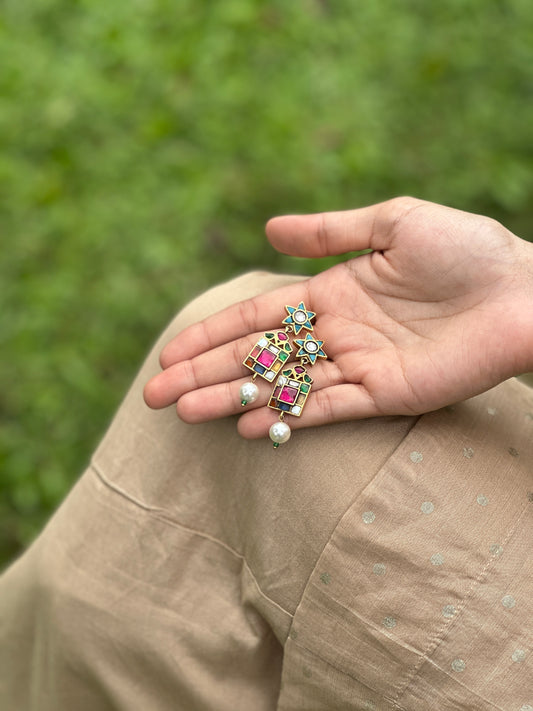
[439, 311]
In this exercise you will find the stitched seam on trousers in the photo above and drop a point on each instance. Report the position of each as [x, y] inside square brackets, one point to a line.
[160, 515]
[346, 673]
[341, 518]
[462, 685]
[441, 634]
[387, 698]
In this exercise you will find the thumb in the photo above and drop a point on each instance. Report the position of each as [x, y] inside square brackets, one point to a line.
[328, 233]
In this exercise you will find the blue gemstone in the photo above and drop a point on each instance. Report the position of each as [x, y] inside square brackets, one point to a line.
[259, 369]
[284, 406]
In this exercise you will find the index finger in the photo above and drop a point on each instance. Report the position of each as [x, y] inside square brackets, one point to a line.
[260, 313]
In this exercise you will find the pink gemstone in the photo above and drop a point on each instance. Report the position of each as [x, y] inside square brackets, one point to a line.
[299, 369]
[288, 394]
[266, 358]
[282, 336]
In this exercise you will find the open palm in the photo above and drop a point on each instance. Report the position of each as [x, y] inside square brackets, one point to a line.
[434, 314]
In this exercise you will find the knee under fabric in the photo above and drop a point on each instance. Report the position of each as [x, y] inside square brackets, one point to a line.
[377, 564]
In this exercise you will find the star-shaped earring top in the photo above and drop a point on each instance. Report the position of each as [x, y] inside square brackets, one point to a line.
[310, 347]
[299, 317]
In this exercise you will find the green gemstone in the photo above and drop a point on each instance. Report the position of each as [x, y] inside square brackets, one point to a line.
[287, 347]
[283, 357]
[304, 388]
[287, 372]
[307, 379]
[244, 402]
[269, 335]
[275, 445]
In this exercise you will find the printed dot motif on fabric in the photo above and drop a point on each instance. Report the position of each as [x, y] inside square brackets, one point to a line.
[468, 452]
[325, 578]
[437, 559]
[389, 622]
[458, 665]
[416, 457]
[427, 507]
[369, 517]
[508, 602]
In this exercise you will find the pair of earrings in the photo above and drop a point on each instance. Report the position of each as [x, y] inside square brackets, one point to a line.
[293, 383]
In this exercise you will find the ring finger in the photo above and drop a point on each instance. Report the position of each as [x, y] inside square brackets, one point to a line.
[223, 399]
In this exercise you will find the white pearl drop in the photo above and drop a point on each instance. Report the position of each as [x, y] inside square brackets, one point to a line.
[280, 432]
[249, 392]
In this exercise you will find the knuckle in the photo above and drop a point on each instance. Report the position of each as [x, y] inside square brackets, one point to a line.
[190, 375]
[204, 336]
[237, 349]
[399, 208]
[322, 233]
[324, 404]
[491, 226]
[248, 314]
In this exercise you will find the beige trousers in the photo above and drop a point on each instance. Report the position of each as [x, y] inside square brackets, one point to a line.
[381, 564]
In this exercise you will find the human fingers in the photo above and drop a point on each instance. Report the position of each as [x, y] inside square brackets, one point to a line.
[336, 403]
[237, 321]
[218, 365]
[329, 233]
[223, 399]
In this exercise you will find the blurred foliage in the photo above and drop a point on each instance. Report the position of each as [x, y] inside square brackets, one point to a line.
[145, 142]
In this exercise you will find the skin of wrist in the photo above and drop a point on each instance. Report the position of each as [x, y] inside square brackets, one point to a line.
[524, 306]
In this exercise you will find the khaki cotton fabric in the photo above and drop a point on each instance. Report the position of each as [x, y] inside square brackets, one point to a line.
[373, 565]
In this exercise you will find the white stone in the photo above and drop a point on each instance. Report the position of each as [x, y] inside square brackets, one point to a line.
[280, 432]
[311, 346]
[269, 375]
[263, 343]
[249, 392]
[296, 410]
[300, 316]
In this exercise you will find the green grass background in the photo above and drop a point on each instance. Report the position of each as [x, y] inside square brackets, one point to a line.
[144, 143]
